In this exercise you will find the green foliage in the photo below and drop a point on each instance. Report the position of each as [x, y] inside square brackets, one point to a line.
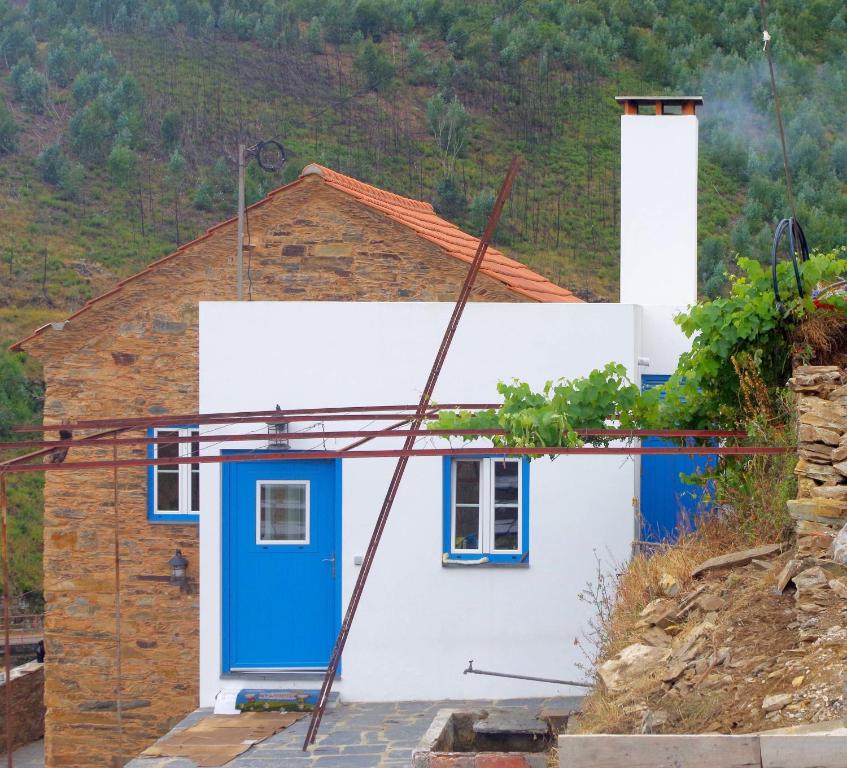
[314, 36]
[52, 164]
[91, 131]
[480, 209]
[449, 199]
[171, 130]
[449, 122]
[745, 330]
[8, 129]
[123, 166]
[16, 42]
[20, 398]
[372, 62]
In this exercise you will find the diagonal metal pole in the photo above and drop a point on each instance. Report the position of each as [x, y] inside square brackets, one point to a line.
[402, 461]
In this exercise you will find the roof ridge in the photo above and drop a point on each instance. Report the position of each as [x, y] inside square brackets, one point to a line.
[349, 184]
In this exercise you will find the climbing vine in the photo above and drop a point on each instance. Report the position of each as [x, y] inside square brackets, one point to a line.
[746, 330]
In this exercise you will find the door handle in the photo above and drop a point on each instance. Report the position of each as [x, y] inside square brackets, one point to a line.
[330, 560]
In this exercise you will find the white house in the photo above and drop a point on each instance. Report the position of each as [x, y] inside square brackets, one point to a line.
[482, 558]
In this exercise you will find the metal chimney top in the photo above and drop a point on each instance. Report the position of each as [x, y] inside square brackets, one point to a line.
[659, 105]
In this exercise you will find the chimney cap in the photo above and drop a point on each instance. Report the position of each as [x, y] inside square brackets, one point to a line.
[687, 104]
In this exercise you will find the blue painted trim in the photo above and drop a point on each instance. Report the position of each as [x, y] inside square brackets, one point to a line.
[152, 515]
[517, 559]
[228, 497]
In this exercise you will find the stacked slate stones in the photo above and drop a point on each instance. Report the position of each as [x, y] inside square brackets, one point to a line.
[820, 510]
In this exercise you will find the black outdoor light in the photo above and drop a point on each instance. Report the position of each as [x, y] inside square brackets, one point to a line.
[179, 566]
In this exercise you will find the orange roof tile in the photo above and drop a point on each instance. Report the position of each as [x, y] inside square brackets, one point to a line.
[415, 214]
[421, 218]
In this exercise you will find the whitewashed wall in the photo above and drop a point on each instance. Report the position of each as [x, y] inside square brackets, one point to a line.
[419, 623]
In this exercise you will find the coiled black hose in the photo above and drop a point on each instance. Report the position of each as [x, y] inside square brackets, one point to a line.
[796, 246]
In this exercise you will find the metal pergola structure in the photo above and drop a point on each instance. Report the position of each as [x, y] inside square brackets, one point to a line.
[407, 423]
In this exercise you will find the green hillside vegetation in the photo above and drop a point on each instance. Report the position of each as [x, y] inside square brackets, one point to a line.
[119, 121]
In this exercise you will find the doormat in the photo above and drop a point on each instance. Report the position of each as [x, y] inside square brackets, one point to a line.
[258, 700]
[217, 739]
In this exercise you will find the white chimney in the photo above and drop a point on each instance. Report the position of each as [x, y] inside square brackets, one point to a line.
[659, 200]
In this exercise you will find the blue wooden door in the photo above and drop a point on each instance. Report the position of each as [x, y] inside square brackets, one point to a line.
[666, 500]
[281, 584]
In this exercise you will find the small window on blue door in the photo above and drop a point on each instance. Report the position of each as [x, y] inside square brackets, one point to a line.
[486, 510]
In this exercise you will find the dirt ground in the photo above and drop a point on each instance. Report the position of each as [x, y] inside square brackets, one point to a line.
[731, 653]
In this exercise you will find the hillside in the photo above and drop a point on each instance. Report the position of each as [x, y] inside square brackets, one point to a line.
[119, 122]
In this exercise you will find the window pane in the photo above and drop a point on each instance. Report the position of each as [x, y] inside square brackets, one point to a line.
[283, 513]
[195, 475]
[467, 528]
[168, 450]
[467, 482]
[506, 482]
[167, 491]
[506, 528]
[195, 488]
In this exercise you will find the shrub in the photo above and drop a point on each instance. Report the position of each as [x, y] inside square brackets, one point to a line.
[52, 164]
[91, 131]
[33, 90]
[373, 63]
[8, 129]
[171, 130]
[449, 200]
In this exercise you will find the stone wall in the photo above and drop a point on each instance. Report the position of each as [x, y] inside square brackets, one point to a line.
[820, 509]
[27, 722]
[134, 353]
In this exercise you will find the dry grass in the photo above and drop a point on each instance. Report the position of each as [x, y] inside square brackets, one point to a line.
[821, 339]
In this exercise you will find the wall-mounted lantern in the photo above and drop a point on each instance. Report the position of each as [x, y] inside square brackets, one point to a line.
[277, 434]
[179, 568]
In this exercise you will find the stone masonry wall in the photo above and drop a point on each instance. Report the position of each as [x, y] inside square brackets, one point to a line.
[27, 704]
[820, 509]
[134, 353]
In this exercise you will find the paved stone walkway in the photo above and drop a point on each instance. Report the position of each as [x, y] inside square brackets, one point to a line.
[30, 756]
[351, 736]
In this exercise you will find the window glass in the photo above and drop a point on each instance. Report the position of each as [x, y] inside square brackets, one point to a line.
[467, 482]
[195, 475]
[506, 528]
[506, 482]
[467, 528]
[167, 475]
[283, 512]
[466, 534]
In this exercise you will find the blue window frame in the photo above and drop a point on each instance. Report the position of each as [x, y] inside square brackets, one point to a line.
[486, 510]
[173, 490]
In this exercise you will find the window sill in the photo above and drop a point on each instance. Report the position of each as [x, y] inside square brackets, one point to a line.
[449, 560]
[178, 519]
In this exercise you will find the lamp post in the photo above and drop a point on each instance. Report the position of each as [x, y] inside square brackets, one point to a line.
[270, 155]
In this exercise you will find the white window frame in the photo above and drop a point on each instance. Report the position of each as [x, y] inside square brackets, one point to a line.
[486, 507]
[185, 471]
[283, 542]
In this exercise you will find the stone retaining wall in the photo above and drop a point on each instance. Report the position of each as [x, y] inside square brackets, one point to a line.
[820, 509]
[27, 721]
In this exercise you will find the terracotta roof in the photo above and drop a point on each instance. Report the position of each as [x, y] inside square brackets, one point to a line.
[421, 218]
[415, 214]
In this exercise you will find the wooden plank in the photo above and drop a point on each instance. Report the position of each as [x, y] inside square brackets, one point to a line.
[672, 751]
[803, 751]
[735, 559]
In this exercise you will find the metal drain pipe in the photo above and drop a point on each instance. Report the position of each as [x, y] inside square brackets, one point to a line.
[471, 671]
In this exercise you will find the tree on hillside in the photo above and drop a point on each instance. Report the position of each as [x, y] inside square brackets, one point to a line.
[52, 164]
[16, 41]
[8, 129]
[175, 178]
[448, 121]
[171, 130]
[372, 62]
